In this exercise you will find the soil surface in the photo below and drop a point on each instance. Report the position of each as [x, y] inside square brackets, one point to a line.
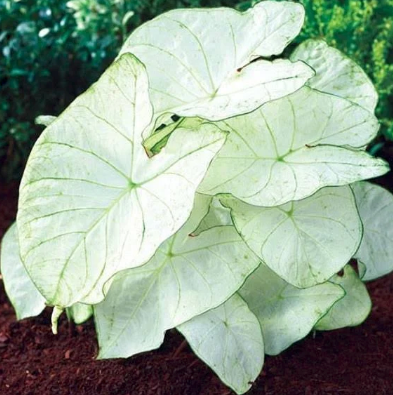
[33, 361]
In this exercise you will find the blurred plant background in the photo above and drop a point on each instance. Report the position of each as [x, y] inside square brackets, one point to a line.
[52, 50]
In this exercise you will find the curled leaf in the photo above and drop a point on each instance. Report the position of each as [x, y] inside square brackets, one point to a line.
[198, 61]
[353, 308]
[336, 74]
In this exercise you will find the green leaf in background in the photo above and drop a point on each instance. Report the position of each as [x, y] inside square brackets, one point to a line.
[305, 242]
[291, 147]
[336, 73]
[353, 308]
[21, 291]
[198, 60]
[286, 313]
[187, 276]
[375, 253]
[91, 202]
[229, 340]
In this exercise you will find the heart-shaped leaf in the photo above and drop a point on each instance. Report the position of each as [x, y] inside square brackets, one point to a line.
[305, 242]
[92, 203]
[187, 276]
[290, 148]
[229, 340]
[198, 61]
[286, 313]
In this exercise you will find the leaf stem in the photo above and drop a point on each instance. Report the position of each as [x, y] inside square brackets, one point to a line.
[56, 313]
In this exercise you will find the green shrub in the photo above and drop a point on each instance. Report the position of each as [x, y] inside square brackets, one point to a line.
[47, 44]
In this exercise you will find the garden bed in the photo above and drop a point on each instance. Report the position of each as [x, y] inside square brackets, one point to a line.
[33, 361]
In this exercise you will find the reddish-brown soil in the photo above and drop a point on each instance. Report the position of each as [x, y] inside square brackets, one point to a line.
[33, 361]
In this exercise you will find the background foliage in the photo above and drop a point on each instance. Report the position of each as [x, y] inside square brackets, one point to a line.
[51, 50]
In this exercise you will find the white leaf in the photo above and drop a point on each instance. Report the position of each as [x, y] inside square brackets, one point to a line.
[290, 148]
[375, 206]
[305, 242]
[353, 308]
[198, 61]
[229, 340]
[92, 203]
[336, 74]
[80, 313]
[361, 269]
[44, 120]
[286, 314]
[187, 276]
[21, 291]
[218, 215]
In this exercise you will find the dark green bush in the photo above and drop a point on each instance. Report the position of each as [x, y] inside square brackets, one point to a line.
[53, 49]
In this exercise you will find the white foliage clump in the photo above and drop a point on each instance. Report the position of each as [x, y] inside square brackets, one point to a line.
[201, 185]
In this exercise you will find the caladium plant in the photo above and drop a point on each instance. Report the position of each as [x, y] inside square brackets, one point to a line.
[203, 186]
